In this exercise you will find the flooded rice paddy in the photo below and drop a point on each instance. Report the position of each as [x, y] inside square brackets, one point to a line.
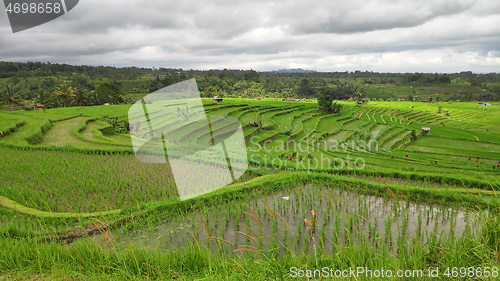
[276, 222]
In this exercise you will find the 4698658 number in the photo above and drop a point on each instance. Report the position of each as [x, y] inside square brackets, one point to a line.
[34, 8]
[472, 272]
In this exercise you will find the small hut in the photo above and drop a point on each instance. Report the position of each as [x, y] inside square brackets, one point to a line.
[425, 130]
[38, 106]
[217, 99]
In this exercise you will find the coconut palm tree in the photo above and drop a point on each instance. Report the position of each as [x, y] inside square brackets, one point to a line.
[10, 97]
[42, 97]
[79, 98]
[64, 92]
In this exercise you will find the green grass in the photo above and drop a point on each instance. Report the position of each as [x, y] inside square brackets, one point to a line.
[10, 123]
[94, 111]
[467, 145]
[66, 181]
[328, 125]
[107, 260]
[443, 91]
[355, 125]
[7, 203]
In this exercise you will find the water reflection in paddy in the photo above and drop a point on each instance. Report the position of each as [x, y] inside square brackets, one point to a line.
[344, 219]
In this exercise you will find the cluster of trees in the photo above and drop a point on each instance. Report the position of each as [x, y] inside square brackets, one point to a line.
[40, 69]
[10, 97]
[37, 82]
[343, 92]
[61, 96]
[326, 104]
[225, 83]
[426, 78]
[476, 80]
[327, 96]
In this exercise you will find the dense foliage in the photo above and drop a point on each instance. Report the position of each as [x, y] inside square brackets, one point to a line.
[36, 82]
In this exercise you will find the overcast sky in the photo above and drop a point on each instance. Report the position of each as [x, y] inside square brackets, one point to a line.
[327, 35]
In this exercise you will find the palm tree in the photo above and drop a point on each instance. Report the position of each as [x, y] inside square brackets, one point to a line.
[79, 98]
[42, 97]
[93, 98]
[9, 97]
[64, 92]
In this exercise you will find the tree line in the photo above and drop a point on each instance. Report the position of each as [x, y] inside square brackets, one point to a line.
[37, 82]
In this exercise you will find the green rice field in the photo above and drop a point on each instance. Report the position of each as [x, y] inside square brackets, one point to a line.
[365, 187]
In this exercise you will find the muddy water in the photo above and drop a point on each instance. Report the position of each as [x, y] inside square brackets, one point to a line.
[344, 219]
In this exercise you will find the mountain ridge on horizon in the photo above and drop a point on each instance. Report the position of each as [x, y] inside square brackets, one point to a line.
[293, 70]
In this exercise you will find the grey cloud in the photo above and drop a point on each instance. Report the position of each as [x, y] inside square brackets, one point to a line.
[364, 16]
[213, 18]
[91, 17]
[257, 34]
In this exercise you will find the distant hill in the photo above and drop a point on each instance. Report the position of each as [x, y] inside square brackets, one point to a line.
[294, 70]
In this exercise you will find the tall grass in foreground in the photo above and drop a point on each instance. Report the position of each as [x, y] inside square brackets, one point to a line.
[89, 259]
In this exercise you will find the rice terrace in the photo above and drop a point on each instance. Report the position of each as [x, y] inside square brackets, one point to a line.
[375, 179]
